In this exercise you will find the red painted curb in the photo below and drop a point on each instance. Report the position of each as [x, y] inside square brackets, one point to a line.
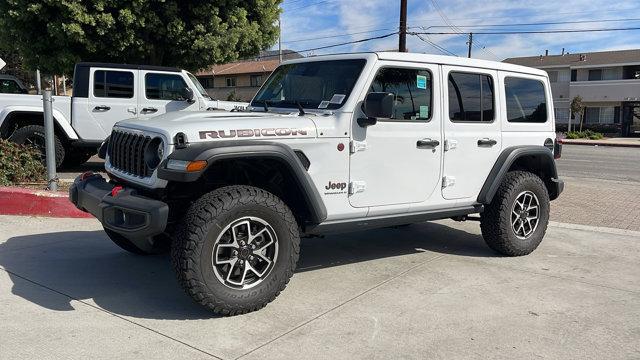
[19, 201]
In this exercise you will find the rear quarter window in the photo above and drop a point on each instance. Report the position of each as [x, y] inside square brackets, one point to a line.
[526, 100]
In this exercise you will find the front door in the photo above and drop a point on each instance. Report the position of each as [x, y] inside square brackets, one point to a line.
[163, 92]
[397, 160]
[113, 98]
[471, 130]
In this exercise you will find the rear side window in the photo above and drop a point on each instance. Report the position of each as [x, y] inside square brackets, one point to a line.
[164, 86]
[411, 89]
[471, 97]
[526, 100]
[113, 84]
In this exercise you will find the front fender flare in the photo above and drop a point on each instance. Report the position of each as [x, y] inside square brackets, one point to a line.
[214, 151]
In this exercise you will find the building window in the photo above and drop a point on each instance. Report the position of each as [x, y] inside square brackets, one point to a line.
[601, 115]
[207, 82]
[574, 75]
[561, 115]
[564, 76]
[595, 75]
[526, 101]
[470, 97]
[553, 76]
[113, 84]
[610, 74]
[256, 80]
[231, 82]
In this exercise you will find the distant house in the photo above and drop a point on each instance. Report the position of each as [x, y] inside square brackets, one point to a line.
[242, 79]
[607, 81]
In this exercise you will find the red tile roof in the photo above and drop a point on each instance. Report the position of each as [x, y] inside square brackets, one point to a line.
[241, 67]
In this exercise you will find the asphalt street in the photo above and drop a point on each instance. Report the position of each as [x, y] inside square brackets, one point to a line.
[600, 162]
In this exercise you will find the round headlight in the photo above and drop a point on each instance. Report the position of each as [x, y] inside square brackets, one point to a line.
[154, 153]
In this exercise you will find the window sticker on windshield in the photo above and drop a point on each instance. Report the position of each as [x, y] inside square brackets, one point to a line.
[421, 82]
[424, 111]
[323, 104]
[337, 99]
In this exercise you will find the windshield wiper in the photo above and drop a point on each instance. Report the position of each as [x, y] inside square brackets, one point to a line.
[300, 108]
[265, 103]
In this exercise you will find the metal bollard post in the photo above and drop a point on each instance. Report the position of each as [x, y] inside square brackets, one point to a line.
[52, 181]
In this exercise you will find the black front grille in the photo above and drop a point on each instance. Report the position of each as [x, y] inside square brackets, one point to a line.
[126, 153]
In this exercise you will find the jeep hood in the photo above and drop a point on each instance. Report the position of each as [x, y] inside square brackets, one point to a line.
[212, 126]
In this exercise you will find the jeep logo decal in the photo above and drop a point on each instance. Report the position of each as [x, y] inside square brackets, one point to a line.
[224, 134]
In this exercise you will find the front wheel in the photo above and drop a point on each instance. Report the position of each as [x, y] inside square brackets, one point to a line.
[236, 249]
[516, 220]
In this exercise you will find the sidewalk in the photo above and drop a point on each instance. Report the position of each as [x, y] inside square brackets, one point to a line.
[621, 142]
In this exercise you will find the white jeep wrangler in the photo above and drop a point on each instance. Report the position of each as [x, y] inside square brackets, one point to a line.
[330, 144]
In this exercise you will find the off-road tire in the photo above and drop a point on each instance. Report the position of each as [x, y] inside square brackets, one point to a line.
[193, 246]
[21, 136]
[161, 244]
[495, 221]
[76, 157]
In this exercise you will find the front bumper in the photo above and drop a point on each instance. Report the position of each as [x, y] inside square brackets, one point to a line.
[135, 217]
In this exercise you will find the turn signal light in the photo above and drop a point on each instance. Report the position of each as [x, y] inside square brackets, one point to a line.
[197, 165]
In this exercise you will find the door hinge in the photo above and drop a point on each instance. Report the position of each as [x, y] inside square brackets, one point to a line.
[132, 110]
[357, 187]
[356, 146]
[450, 144]
[448, 181]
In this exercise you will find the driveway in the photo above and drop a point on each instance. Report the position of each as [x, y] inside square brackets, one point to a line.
[432, 290]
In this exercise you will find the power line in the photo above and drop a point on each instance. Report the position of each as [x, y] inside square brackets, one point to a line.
[529, 24]
[528, 32]
[336, 36]
[310, 5]
[442, 49]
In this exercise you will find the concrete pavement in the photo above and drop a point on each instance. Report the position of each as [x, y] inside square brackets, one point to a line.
[426, 291]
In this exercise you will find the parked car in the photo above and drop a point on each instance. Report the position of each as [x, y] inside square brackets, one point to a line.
[10, 84]
[103, 94]
[332, 144]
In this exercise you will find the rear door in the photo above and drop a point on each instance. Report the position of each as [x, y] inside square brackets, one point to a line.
[472, 130]
[397, 160]
[162, 92]
[112, 97]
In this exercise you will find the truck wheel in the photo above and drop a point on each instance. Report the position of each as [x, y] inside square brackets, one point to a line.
[34, 135]
[516, 220]
[77, 157]
[236, 249]
[161, 244]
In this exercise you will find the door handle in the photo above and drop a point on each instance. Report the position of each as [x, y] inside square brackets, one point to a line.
[148, 110]
[486, 142]
[427, 144]
[102, 108]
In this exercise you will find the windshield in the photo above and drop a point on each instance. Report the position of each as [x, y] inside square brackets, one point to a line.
[198, 86]
[313, 85]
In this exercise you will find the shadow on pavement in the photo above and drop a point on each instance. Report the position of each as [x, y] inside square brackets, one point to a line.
[86, 265]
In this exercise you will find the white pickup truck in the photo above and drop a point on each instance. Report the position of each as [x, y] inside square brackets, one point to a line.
[103, 94]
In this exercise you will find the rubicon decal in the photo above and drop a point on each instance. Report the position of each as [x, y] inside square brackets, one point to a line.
[225, 134]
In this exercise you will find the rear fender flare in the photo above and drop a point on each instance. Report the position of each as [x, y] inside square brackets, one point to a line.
[59, 118]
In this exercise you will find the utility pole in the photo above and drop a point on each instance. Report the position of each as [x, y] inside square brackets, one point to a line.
[402, 45]
[470, 44]
[280, 38]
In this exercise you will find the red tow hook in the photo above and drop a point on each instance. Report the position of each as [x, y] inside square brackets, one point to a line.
[116, 190]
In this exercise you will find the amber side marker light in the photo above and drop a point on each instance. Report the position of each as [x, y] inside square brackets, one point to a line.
[188, 166]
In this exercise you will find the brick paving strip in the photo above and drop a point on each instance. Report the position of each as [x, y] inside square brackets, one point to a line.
[619, 142]
[601, 203]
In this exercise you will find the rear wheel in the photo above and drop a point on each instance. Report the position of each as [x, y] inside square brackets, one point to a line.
[516, 220]
[236, 249]
[34, 135]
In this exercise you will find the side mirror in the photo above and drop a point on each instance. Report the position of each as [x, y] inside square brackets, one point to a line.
[188, 95]
[377, 105]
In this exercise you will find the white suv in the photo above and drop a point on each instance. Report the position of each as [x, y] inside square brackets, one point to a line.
[330, 144]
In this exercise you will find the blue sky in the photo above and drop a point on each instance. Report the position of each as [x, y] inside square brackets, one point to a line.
[310, 24]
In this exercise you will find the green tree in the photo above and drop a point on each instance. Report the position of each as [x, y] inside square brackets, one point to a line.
[577, 108]
[53, 35]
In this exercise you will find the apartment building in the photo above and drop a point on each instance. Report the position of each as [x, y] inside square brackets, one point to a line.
[607, 81]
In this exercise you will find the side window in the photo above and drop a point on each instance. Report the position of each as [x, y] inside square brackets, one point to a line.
[471, 97]
[9, 87]
[113, 84]
[164, 86]
[526, 101]
[412, 90]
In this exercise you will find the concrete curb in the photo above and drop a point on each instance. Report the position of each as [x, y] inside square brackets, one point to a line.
[599, 143]
[20, 201]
